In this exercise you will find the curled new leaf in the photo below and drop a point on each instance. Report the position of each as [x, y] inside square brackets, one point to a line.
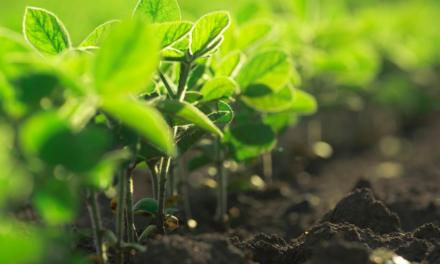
[189, 113]
[45, 31]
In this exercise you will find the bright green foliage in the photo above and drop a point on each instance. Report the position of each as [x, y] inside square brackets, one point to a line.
[157, 11]
[252, 34]
[126, 60]
[304, 103]
[20, 243]
[189, 113]
[152, 127]
[262, 98]
[171, 32]
[270, 68]
[207, 31]
[218, 88]
[230, 65]
[56, 202]
[45, 31]
[98, 35]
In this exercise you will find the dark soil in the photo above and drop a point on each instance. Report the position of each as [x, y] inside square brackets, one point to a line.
[355, 209]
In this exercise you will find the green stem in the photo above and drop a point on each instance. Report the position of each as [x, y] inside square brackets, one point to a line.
[167, 85]
[120, 216]
[164, 165]
[95, 218]
[131, 229]
[222, 180]
[185, 69]
[267, 167]
[154, 180]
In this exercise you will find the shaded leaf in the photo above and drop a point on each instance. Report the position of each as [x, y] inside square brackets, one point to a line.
[146, 205]
[250, 140]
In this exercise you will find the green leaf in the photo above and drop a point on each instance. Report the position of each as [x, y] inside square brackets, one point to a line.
[98, 35]
[280, 121]
[264, 99]
[223, 115]
[250, 140]
[20, 243]
[146, 205]
[144, 119]
[127, 59]
[189, 113]
[230, 65]
[217, 88]
[253, 34]
[171, 32]
[271, 68]
[56, 201]
[189, 138]
[48, 137]
[157, 11]
[304, 103]
[45, 31]
[207, 31]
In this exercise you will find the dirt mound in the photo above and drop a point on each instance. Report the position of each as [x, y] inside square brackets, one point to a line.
[363, 210]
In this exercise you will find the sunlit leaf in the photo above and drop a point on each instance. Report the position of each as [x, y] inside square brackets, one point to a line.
[157, 11]
[207, 30]
[253, 34]
[217, 88]
[264, 99]
[98, 35]
[144, 119]
[45, 31]
[230, 65]
[189, 113]
[271, 68]
[304, 103]
[171, 32]
[127, 59]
